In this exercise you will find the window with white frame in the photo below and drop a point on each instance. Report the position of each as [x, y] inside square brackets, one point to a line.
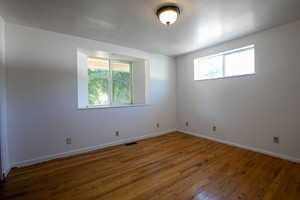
[109, 82]
[227, 64]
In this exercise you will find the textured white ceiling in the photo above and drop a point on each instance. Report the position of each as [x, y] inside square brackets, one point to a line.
[133, 23]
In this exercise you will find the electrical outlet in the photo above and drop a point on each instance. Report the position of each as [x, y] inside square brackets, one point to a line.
[187, 124]
[68, 140]
[117, 133]
[214, 128]
[157, 125]
[276, 140]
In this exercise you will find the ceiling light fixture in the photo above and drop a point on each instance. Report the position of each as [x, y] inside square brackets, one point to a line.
[168, 14]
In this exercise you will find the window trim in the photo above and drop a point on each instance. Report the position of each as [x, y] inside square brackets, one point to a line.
[110, 85]
[224, 54]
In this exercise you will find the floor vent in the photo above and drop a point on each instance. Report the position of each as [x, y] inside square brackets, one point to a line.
[131, 143]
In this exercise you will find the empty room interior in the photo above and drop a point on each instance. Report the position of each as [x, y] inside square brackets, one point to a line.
[150, 99]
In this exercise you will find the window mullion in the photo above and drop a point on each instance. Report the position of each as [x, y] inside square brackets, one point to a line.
[223, 65]
[131, 84]
[110, 81]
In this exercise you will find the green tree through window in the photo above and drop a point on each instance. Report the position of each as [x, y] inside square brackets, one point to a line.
[98, 87]
[121, 87]
[109, 82]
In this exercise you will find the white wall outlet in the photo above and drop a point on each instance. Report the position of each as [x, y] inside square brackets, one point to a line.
[187, 124]
[214, 128]
[117, 133]
[276, 140]
[68, 140]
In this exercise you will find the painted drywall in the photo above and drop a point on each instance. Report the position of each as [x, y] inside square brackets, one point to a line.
[3, 110]
[2, 91]
[248, 110]
[139, 82]
[42, 97]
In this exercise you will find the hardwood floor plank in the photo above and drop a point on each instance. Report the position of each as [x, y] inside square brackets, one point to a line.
[168, 167]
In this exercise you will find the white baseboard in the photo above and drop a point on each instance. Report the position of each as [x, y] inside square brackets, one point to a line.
[5, 173]
[273, 154]
[87, 149]
[133, 139]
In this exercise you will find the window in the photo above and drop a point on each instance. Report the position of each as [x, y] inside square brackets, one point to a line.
[106, 80]
[227, 64]
[109, 82]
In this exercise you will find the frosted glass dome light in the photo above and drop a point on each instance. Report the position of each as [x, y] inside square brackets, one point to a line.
[168, 14]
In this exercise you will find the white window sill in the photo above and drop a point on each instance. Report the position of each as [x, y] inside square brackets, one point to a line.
[227, 77]
[113, 106]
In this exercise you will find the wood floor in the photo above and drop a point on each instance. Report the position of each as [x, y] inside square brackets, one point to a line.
[173, 166]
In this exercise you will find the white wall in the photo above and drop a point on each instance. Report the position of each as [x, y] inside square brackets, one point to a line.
[139, 82]
[42, 97]
[3, 110]
[248, 110]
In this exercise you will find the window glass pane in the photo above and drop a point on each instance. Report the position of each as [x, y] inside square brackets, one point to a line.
[121, 87]
[240, 63]
[98, 85]
[210, 68]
